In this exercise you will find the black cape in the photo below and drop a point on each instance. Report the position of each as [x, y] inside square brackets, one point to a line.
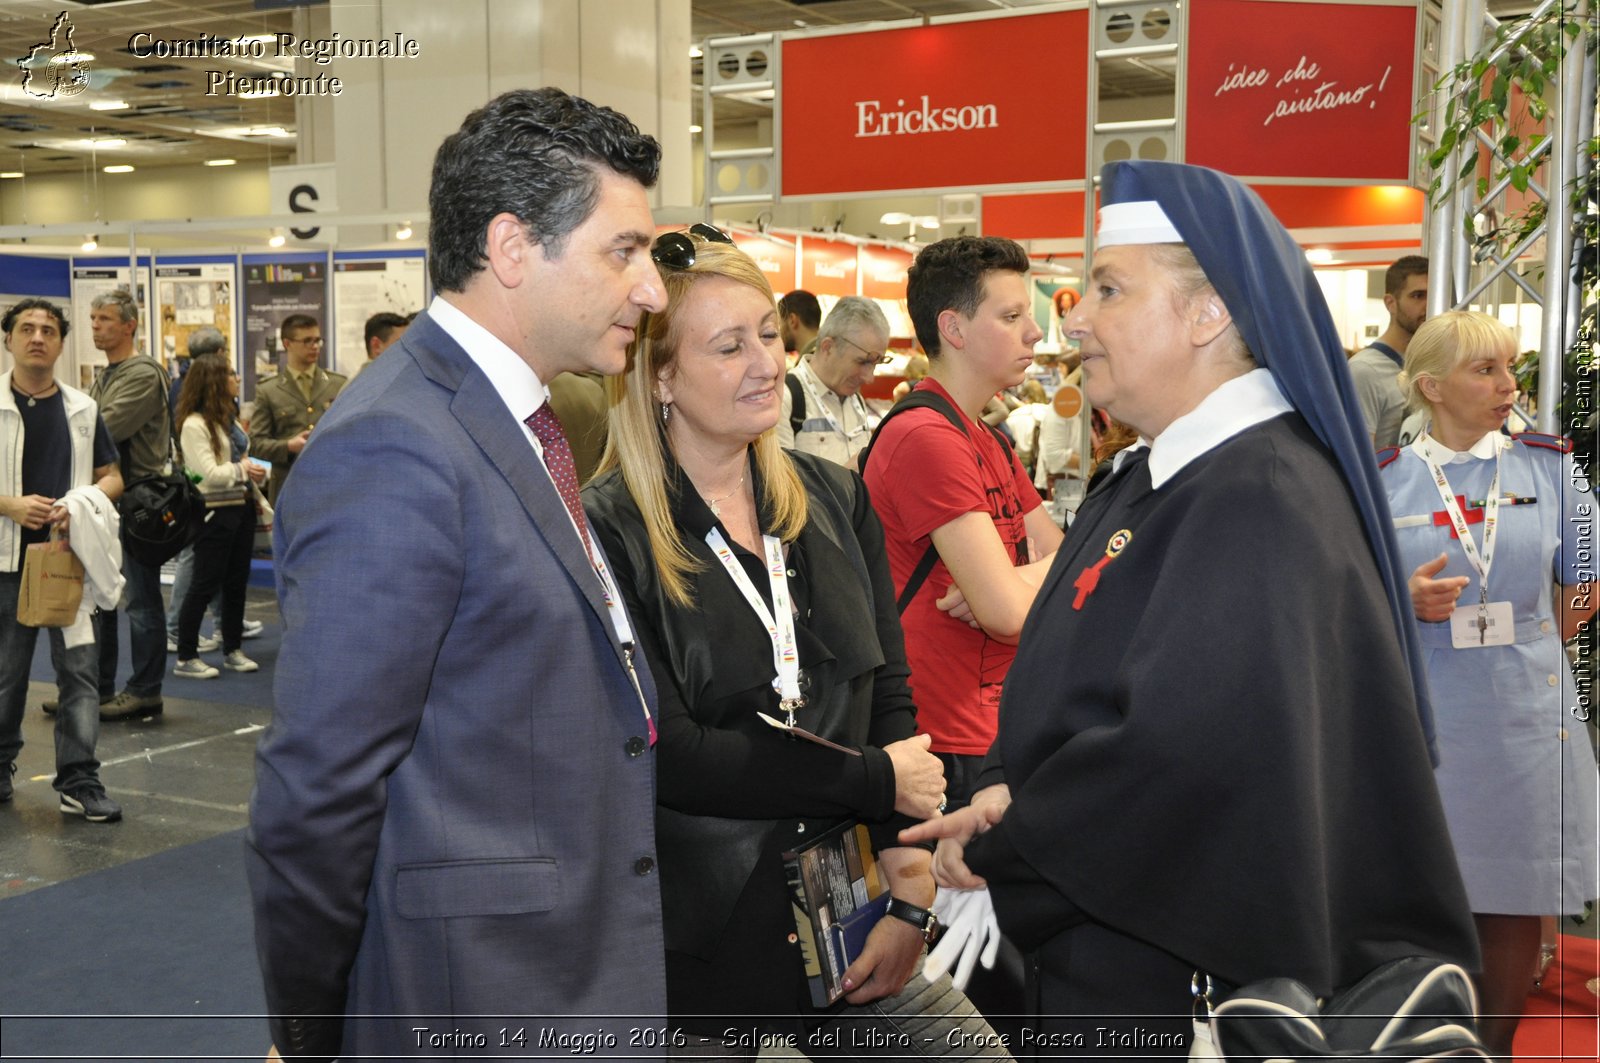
[1219, 753]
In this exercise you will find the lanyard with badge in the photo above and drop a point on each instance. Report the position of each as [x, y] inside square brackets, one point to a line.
[779, 622]
[1488, 623]
[620, 624]
[833, 422]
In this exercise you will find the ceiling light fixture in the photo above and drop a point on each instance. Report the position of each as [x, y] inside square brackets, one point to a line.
[120, 168]
[109, 105]
[695, 129]
[8, 174]
[221, 162]
[1319, 256]
[695, 51]
[277, 239]
[90, 243]
[404, 232]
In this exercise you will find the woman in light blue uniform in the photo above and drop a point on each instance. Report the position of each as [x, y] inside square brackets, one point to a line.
[1517, 771]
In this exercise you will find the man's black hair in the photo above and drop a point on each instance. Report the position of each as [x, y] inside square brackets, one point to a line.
[1395, 277]
[948, 275]
[33, 303]
[382, 323]
[804, 305]
[295, 323]
[533, 153]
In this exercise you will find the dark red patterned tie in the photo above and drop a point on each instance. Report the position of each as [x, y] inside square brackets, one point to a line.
[546, 427]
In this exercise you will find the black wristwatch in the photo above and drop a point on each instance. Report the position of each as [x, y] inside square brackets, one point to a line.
[920, 918]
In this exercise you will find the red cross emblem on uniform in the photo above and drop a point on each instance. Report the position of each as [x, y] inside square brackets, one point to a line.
[1441, 519]
[1089, 578]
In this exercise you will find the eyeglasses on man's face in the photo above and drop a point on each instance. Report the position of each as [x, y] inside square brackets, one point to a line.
[871, 359]
[677, 250]
[309, 341]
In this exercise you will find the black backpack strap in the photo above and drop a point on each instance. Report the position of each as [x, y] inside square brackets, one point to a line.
[797, 404]
[919, 575]
[919, 399]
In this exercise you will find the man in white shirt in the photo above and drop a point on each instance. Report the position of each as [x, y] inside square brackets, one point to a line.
[455, 803]
[823, 411]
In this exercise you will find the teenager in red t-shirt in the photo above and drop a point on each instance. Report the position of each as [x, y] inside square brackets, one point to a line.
[966, 493]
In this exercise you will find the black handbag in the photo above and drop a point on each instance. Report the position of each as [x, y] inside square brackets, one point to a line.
[161, 513]
[1414, 1008]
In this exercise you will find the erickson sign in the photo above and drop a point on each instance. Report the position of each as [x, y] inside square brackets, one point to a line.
[974, 104]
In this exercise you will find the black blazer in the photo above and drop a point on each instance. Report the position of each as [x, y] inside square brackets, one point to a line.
[733, 792]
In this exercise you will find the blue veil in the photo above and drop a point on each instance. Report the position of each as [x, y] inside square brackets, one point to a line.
[1269, 288]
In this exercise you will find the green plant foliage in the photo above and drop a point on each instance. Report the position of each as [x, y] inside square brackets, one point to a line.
[1521, 64]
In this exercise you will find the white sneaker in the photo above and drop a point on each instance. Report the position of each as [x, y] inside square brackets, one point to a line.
[253, 629]
[194, 668]
[238, 662]
[206, 644]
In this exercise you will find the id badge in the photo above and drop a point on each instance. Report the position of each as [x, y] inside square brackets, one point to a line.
[1499, 629]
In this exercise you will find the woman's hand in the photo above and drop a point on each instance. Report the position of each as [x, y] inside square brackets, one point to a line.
[257, 473]
[954, 831]
[1433, 600]
[918, 777]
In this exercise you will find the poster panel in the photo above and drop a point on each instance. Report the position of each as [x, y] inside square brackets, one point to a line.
[883, 272]
[189, 296]
[776, 259]
[955, 105]
[1278, 89]
[364, 286]
[274, 288]
[827, 267]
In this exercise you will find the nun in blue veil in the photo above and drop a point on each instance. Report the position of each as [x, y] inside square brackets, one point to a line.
[1215, 744]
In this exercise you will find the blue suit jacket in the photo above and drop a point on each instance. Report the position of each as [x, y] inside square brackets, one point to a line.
[454, 805]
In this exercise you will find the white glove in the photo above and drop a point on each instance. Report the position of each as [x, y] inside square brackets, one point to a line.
[971, 935]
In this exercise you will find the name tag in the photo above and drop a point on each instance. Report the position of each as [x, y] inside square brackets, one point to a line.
[1473, 627]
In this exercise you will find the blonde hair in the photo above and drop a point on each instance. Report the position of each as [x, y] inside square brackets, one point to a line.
[637, 442]
[1445, 342]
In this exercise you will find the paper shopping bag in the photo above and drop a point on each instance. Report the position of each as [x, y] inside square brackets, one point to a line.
[52, 585]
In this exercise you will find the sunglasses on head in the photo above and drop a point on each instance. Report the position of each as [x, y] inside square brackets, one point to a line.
[676, 250]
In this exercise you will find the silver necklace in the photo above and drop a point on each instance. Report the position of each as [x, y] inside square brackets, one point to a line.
[713, 503]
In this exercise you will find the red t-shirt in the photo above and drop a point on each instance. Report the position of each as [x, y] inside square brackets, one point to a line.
[923, 474]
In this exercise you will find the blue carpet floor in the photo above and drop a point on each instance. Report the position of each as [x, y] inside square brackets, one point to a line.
[253, 689]
[149, 960]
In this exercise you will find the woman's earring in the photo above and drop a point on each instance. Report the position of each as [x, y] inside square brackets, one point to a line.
[666, 412]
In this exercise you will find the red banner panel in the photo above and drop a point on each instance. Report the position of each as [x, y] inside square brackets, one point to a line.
[929, 108]
[883, 272]
[775, 259]
[1310, 207]
[1279, 89]
[1034, 216]
[827, 267]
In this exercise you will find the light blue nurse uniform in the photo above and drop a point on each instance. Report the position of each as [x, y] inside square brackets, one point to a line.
[1517, 770]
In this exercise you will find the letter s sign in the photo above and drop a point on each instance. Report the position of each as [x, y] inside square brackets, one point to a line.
[297, 195]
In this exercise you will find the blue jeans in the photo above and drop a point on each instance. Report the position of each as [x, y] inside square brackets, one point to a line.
[147, 633]
[78, 718]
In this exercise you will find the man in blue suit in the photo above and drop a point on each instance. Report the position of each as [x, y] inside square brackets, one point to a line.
[451, 835]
